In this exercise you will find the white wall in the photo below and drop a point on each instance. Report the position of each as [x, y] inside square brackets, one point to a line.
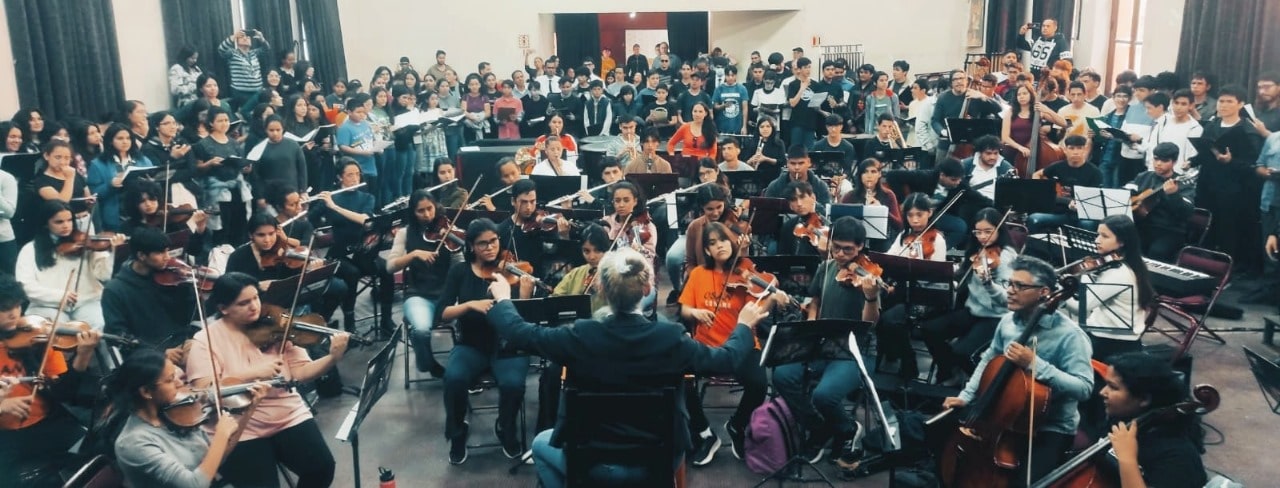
[8, 79]
[1162, 37]
[738, 27]
[143, 54]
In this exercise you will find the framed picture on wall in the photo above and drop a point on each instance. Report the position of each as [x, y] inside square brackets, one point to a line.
[977, 23]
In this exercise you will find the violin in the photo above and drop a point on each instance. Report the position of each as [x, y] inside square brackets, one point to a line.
[813, 228]
[637, 224]
[756, 283]
[304, 330]
[919, 245]
[281, 254]
[176, 273]
[544, 221]
[861, 267]
[512, 270]
[442, 229]
[1087, 469]
[1091, 264]
[74, 244]
[192, 408]
[175, 215]
[33, 330]
[985, 261]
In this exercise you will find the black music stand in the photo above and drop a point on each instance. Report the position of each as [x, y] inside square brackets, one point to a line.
[919, 281]
[377, 376]
[898, 157]
[654, 184]
[969, 130]
[807, 342]
[466, 216]
[317, 281]
[1027, 195]
[793, 272]
[21, 166]
[765, 213]
[745, 184]
[553, 187]
[828, 163]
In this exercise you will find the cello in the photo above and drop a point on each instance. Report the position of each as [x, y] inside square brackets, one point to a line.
[991, 442]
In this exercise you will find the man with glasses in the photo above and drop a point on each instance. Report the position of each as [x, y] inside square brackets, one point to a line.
[665, 70]
[1058, 357]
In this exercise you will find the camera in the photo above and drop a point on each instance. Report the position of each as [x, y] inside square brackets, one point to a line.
[1033, 25]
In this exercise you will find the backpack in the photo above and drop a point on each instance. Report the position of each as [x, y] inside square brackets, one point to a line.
[772, 437]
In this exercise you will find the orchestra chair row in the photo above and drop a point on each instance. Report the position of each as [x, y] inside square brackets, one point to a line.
[1267, 372]
[591, 430]
[1187, 316]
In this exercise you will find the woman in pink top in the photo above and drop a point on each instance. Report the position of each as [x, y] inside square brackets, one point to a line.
[698, 135]
[508, 124]
[282, 429]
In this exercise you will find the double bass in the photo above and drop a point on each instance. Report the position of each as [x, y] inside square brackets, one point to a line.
[1043, 151]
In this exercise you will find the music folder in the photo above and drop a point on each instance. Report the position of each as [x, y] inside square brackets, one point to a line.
[135, 174]
[875, 218]
[1026, 195]
[318, 134]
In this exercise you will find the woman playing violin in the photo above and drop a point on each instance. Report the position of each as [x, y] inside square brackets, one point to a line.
[143, 208]
[148, 451]
[281, 430]
[33, 428]
[465, 298]
[807, 233]
[56, 253]
[712, 306]
[426, 263]
[554, 164]
[1165, 453]
[268, 258]
[1122, 293]
[687, 251]
[821, 410]
[630, 226]
[985, 268]
[136, 305]
[916, 242]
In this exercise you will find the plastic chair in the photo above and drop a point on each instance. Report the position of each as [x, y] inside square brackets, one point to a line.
[1188, 314]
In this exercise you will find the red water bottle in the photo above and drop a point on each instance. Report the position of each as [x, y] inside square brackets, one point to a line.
[386, 479]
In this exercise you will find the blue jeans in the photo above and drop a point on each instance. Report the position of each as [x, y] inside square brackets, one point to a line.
[421, 315]
[552, 467]
[389, 169]
[408, 163]
[453, 140]
[675, 264]
[466, 364]
[823, 410]
[802, 136]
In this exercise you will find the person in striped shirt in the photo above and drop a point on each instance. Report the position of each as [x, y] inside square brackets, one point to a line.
[242, 50]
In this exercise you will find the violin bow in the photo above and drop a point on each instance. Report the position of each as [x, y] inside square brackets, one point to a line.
[983, 248]
[934, 220]
[53, 331]
[457, 214]
[737, 246]
[297, 293]
[164, 222]
[613, 246]
[208, 338]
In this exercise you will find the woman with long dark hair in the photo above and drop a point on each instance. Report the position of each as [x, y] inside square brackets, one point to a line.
[86, 143]
[426, 264]
[32, 123]
[207, 88]
[282, 430]
[182, 77]
[869, 188]
[223, 183]
[1117, 296]
[698, 136]
[43, 271]
[107, 173]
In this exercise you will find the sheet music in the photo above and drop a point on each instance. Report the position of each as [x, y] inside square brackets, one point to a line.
[256, 153]
[309, 136]
[1100, 203]
[380, 145]
[1109, 297]
[875, 218]
[410, 118]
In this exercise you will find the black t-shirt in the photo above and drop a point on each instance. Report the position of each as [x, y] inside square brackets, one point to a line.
[1056, 103]
[1086, 175]
[688, 100]
[665, 112]
[43, 180]
[526, 245]
[462, 285]
[801, 114]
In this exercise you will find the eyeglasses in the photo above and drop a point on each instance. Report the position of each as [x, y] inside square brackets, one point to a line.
[983, 232]
[1021, 287]
[844, 249]
[486, 244]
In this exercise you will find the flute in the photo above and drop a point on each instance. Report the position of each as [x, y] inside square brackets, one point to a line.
[659, 198]
[334, 192]
[574, 196]
[442, 185]
[476, 203]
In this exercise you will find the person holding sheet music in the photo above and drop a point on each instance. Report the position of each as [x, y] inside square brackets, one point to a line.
[711, 308]
[1164, 229]
[1117, 297]
[466, 298]
[222, 183]
[1228, 182]
[282, 159]
[1074, 171]
[168, 150]
[821, 412]
[43, 271]
[426, 264]
[281, 430]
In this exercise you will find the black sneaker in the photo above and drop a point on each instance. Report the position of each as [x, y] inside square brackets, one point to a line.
[673, 297]
[458, 446]
[704, 450]
[814, 447]
[510, 444]
[737, 442]
[848, 454]
[436, 370]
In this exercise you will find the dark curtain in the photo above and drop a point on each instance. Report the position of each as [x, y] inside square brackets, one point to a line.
[324, 39]
[1063, 11]
[1004, 17]
[273, 18]
[687, 34]
[577, 36]
[201, 26]
[1235, 41]
[65, 56]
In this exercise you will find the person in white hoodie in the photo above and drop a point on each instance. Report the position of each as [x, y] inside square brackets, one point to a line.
[44, 271]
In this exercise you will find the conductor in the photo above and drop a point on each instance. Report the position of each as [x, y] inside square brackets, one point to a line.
[616, 345]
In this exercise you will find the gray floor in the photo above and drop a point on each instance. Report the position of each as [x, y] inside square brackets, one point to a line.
[405, 430]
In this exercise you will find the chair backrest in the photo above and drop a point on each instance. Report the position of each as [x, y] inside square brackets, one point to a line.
[99, 472]
[1213, 263]
[1267, 372]
[632, 427]
[1017, 235]
[1198, 226]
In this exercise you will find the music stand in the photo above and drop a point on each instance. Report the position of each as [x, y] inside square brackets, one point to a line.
[917, 274]
[827, 163]
[793, 272]
[899, 157]
[969, 130]
[875, 218]
[317, 281]
[764, 215]
[745, 184]
[807, 342]
[1100, 203]
[654, 184]
[1026, 195]
[377, 375]
[553, 187]
[21, 166]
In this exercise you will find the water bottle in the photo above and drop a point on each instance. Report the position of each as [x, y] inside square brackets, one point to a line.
[386, 479]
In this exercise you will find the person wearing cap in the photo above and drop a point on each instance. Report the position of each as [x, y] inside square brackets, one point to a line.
[597, 110]
[1164, 228]
[798, 169]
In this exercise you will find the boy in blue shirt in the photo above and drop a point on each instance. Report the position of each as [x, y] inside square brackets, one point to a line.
[730, 101]
[355, 138]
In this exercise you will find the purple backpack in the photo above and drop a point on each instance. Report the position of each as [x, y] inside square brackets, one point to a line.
[772, 438]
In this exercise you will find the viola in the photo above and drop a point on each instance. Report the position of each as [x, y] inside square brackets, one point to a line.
[33, 330]
[441, 228]
[861, 267]
[1091, 264]
[919, 246]
[303, 330]
[192, 408]
[813, 228]
[177, 273]
[74, 244]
